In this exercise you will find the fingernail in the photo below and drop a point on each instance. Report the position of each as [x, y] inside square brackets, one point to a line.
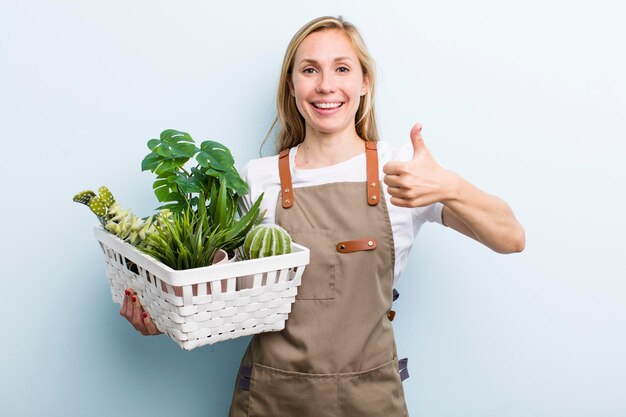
[127, 293]
[145, 315]
[134, 298]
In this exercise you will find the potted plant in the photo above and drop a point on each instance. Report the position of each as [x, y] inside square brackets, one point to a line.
[169, 258]
[204, 200]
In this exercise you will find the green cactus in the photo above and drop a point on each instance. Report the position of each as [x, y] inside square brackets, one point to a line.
[266, 240]
[84, 197]
[98, 207]
[106, 196]
[123, 223]
[99, 204]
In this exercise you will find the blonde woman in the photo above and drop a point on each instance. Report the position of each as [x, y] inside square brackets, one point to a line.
[337, 354]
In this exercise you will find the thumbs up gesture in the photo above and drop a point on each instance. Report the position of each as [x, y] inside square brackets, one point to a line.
[420, 181]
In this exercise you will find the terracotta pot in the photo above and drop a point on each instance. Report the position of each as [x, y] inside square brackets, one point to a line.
[220, 257]
[246, 281]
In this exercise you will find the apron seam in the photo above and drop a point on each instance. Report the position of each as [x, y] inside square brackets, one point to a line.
[335, 375]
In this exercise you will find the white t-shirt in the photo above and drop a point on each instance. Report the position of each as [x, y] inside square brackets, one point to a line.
[261, 174]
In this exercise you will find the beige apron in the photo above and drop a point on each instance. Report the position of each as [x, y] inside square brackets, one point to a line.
[336, 356]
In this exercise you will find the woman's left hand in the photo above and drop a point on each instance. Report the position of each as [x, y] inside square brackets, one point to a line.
[420, 181]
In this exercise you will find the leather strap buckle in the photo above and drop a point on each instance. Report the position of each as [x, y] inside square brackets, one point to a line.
[356, 245]
[285, 178]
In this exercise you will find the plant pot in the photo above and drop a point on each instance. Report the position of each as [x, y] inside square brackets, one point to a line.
[220, 257]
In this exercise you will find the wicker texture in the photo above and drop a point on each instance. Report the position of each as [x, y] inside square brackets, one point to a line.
[206, 305]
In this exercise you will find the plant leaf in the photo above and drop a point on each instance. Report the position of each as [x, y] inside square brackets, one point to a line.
[177, 143]
[238, 231]
[151, 161]
[169, 164]
[215, 155]
[153, 143]
[221, 208]
[235, 182]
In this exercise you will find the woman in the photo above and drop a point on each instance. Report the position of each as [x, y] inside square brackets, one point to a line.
[337, 355]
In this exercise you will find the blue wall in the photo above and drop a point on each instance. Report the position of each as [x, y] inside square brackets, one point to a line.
[524, 100]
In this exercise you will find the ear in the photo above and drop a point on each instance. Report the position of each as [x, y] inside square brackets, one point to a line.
[366, 85]
[292, 91]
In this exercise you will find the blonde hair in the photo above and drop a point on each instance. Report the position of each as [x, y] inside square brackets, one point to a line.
[292, 127]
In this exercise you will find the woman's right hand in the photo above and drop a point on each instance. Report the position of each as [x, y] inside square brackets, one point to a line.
[133, 312]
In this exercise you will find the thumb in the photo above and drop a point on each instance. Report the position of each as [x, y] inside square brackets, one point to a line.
[417, 140]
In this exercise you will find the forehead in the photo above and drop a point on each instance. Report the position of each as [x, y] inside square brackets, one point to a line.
[325, 45]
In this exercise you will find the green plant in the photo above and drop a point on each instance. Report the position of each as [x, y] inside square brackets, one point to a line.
[185, 242]
[99, 204]
[266, 240]
[123, 223]
[212, 188]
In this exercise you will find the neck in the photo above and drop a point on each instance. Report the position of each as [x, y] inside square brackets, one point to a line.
[321, 150]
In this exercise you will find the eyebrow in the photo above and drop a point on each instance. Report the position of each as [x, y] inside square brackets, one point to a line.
[312, 61]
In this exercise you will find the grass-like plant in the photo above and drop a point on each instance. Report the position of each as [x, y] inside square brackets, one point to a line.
[185, 242]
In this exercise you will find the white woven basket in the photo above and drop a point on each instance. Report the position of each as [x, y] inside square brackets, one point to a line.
[202, 306]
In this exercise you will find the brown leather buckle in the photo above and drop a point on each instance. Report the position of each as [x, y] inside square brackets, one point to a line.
[356, 245]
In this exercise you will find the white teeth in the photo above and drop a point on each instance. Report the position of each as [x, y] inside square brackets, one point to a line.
[327, 105]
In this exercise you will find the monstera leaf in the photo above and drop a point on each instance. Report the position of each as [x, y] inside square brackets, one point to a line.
[215, 155]
[171, 151]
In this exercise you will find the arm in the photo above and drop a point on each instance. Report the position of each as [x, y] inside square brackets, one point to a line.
[421, 181]
[482, 217]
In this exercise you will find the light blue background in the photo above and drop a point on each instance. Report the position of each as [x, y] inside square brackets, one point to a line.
[524, 99]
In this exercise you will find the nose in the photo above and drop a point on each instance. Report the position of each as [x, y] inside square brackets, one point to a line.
[325, 84]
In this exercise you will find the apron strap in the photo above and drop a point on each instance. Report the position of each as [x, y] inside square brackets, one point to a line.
[245, 375]
[403, 368]
[371, 161]
[285, 178]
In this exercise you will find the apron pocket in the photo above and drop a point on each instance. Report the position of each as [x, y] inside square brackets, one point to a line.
[376, 392]
[277, 393]
[318, 280]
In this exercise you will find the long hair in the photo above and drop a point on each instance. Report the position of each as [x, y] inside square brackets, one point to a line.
[290, 122]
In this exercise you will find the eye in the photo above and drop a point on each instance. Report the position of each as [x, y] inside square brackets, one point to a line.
[308, 70]
[343, 69]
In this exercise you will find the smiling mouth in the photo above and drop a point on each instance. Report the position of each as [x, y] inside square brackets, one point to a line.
[327, 106]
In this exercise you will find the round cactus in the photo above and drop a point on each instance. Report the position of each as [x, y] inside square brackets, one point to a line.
[266, 240]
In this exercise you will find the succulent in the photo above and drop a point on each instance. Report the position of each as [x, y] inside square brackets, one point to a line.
[123, 223]
[127, 226]
[266, 240]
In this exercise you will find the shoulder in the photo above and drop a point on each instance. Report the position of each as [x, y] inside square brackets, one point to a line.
[261, 171]
[262, 177]
[260, 165]
[391, 152]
